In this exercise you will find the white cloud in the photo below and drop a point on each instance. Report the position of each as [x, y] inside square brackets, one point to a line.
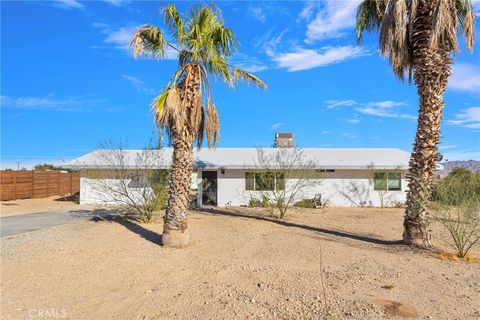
[447, 146]
[116, 3]
[383, 112]
[276, 126]
[69, 4]
[384, 108]
[270, 43]
[476, 7]
[304, 59]
[350, 135]
[375, 108]
[50, 102]
[353, 120]
[308, 10]
[334, 19]
[469, 118]
[465, 77]
[257, 12]
[332, 104]
[138, 84]
[120, 37]
[248, 63]
[386, 104]
[466, 154]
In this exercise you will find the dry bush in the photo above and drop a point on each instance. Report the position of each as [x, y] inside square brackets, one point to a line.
[285, 174]
[456, 207]
[136, 186]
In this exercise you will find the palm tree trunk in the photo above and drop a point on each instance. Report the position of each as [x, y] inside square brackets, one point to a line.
[432, 69]
[175, 219]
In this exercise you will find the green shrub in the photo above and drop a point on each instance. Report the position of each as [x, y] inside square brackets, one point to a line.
[254, 202]
[305, 203]
[456, 206]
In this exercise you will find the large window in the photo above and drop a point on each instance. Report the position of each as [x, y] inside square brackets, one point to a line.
[387, 181]
[264, 181]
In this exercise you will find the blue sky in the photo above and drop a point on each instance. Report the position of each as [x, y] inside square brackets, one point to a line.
[69, 81]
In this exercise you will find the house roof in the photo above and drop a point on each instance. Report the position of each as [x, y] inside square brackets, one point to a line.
[246, 158]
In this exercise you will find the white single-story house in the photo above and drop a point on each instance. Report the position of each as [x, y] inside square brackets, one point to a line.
[346, 176]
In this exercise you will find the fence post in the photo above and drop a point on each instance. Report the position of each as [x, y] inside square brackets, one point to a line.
[71, 182]
[48, 183]
[14, 185]
[33, 184]
[58, 182]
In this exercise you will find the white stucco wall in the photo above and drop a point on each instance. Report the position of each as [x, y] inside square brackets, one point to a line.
[93, 182]
[231, 188]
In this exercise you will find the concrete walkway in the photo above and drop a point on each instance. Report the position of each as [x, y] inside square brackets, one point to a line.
[12, 225]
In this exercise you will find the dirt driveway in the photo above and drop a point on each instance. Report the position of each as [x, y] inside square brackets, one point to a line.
[26, 206]
[342, 263]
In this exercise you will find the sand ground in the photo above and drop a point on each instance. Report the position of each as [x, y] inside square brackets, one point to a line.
[25, 206]
[341, 263]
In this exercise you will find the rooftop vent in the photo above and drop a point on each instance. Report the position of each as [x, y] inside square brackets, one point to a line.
[283, 140]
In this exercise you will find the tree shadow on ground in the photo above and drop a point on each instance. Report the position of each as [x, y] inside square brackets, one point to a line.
[130, 224]
[337, 233]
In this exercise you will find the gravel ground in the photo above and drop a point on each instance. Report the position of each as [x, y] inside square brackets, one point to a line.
[340, 263]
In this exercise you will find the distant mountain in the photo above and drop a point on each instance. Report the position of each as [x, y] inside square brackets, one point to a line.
[448, 166]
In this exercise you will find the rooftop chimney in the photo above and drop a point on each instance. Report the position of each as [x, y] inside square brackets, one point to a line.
[283, 140]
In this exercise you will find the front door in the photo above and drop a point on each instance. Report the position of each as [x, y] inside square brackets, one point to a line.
[209, 188]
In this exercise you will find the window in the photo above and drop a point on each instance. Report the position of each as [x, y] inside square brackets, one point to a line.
[249, 181]
[394, 181]
[264, 181]
[326, 170]
[387, 181]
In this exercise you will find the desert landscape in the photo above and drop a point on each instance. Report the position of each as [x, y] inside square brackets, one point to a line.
[336, 263]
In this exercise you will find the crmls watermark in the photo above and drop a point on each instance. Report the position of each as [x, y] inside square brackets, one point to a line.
[47, 313]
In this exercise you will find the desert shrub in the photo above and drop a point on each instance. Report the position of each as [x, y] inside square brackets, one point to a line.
[456, 206]
[254, 202]
[305, 203]
[137, 189]
[285, 173]
[398, 204]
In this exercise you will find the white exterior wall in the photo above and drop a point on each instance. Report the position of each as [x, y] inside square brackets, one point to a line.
[91, 189]
[231, 188]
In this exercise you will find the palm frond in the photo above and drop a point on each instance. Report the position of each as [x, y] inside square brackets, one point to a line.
[174, 21]
[148, 40]
[368, 18]
[212, 125]
[241, 75]
[185, 57]
[466, 16]
[224, 40]
[445, 22]
[158, 105]
[219, 68]
[198, 120]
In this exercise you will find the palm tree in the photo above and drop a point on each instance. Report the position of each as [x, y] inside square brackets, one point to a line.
[419, 37]
[185, 109]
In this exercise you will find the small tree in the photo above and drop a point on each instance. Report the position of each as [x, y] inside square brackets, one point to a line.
[284, 175]
[137, 183]
[456, 206]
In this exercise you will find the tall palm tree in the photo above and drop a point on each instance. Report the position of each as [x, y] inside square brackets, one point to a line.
[185, 109]
[419, 37]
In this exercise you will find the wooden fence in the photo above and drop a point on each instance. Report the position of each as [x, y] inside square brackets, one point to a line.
[37, 184]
